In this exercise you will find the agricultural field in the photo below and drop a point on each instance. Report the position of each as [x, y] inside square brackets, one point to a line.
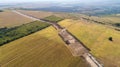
[10, 19]
[38, 14]
[112, 18]
[42, 49]
[96, 37]
[46, 49]
[53, 18]
[65, 33]
[45, 14]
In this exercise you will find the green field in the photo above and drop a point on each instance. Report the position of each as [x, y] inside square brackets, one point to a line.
[95, 37]
[53, 18]
[42, 49]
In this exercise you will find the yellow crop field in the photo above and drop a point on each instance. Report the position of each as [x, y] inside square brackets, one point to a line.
[41, 49]
[9, 19]
[95, 37]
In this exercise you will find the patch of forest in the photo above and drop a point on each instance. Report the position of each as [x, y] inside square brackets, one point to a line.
[10, 34]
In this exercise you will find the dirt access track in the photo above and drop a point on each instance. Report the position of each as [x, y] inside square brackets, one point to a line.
[76, 47]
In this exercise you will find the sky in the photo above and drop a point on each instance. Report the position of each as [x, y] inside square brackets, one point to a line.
[16, 1]
[82, 1]
[19, 1]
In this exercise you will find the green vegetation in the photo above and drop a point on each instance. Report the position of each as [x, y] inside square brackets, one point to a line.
[10, 34]
[53, 18]
[110, 39]
[1, 10]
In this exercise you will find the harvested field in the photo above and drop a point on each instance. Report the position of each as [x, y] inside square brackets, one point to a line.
[10, 19]
[42, 49]
[38, 14]
[44, 14]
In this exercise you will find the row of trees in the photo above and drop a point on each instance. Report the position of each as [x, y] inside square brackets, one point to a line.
[103, 22]
[10, 34]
